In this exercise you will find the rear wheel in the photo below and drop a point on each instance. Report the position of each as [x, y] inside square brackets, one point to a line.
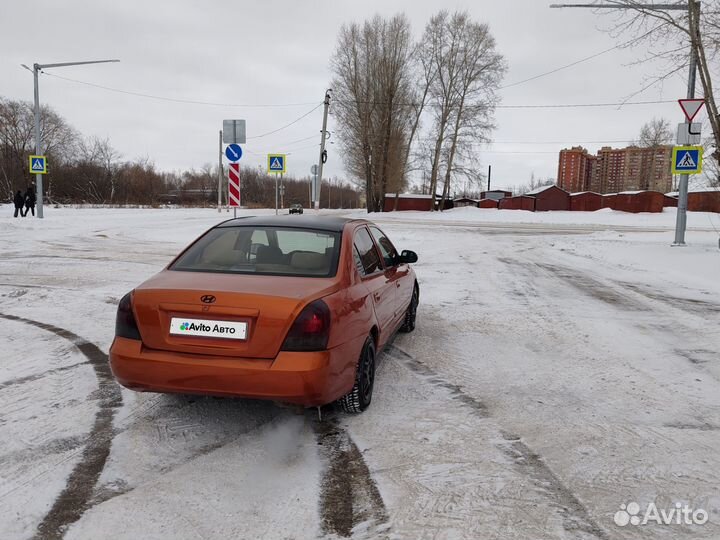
[408, 324]
[358, 399]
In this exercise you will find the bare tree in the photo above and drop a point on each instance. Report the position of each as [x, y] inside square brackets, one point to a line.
[468, 72]
[17, 140]
[96, 170]
[657, 132]
[481, 70]
[424, 73]
[372, 88]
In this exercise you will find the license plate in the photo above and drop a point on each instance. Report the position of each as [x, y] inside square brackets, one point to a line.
[204, 328]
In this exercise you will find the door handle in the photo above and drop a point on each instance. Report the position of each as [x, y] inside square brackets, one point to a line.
[397, 284]
[377, 296]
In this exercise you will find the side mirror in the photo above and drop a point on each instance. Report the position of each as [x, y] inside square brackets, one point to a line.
[407, 257]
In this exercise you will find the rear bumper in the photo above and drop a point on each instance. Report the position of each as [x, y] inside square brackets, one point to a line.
[306, 378]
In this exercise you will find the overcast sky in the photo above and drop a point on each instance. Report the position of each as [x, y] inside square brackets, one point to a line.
[277, 53]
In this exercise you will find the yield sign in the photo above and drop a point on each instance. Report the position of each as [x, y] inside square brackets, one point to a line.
[691, 107]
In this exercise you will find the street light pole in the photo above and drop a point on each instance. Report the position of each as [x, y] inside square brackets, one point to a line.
[681, 221]
[37, 68]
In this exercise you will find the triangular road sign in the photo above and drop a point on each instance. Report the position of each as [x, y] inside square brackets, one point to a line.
[686, 162]
[691, 107]
[275, 164]
[37, 165]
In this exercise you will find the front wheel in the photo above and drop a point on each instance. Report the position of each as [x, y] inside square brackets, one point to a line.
[358, 399]
[408, 324]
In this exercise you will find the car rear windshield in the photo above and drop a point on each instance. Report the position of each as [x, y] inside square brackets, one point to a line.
[263, 250]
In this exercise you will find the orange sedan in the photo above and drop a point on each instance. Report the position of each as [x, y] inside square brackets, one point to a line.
[283, 308]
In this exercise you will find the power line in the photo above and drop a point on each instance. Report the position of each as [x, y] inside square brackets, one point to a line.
[298, 141]
[178, 100]
[513, 152]
[532, 106]
[567, 141]
[271, 105]
[290, 124]
[288, 146]
[587, 58]
[585, 105]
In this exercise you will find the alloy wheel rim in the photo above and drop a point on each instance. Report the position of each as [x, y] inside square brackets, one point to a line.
[368, 375]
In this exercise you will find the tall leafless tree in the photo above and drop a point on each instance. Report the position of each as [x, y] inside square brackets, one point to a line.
[372, 88]
[468, 73]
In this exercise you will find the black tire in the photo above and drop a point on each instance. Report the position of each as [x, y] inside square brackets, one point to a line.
[408, 324]
[359, 398]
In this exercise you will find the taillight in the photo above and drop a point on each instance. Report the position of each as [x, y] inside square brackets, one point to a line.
[311, 329]
[125, 325]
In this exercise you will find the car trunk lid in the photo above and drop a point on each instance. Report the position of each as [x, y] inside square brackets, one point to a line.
[265, 306]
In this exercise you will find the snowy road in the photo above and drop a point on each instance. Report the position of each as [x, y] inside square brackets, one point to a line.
[557, 371]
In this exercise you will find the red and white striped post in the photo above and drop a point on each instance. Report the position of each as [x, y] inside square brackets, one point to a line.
[234, 186]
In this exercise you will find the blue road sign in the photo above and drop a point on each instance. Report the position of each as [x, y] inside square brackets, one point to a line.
[276, 163]
[38, 164]
[687, 160]
[233, 152]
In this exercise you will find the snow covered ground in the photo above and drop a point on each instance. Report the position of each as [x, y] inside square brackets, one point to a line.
[563, 364]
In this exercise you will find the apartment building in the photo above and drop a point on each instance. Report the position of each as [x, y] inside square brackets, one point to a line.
[616, 169]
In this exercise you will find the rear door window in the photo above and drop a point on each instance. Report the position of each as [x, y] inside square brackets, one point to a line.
[366, 251]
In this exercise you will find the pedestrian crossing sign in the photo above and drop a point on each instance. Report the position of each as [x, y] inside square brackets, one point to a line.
[687, 159]
[38, 164]
[276, 163]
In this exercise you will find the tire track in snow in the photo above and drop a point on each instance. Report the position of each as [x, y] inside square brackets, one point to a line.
[74, 500]
[575, 516]
[37, 376]
[349, 496]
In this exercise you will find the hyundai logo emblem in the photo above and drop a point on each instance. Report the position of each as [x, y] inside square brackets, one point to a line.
[207, 298]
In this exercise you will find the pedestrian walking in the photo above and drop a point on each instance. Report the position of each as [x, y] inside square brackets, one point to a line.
[19, 203]
[30, 200]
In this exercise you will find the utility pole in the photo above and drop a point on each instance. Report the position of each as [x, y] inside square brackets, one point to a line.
[220, 173]
[681, 220]
[37, 68]
[489, 175]
[693, 8]
[323, 153]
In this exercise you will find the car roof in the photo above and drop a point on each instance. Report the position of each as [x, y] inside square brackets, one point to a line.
[323, 223]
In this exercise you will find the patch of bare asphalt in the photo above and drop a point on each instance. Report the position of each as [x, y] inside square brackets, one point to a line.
[349, 495]
[697, 307]
[593, 287]
[581, 282]
[74, 500]
[575, 515]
